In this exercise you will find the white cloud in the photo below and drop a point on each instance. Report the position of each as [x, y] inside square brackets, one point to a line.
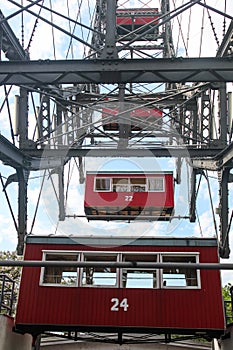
[205, 226]
[8, 236]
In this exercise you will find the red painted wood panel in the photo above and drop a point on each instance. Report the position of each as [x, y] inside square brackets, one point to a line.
[151, 308]
[117, 199]
[136, 19]
[185, 309]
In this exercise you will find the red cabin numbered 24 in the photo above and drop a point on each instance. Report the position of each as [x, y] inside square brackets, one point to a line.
[98, 295]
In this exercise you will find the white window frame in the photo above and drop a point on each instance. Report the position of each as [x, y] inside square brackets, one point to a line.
[129, 185]
[131, 269]
[99, 253]
[121, 185]
[58, 252]
[155, 177]
[119, 271]
[181, 254]
[102, 178]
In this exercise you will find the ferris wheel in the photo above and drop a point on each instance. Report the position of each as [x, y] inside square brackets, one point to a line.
[82, 81]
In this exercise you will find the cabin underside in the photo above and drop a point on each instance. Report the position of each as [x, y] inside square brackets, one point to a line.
[166, 334]
[134, 126]
[129, 213]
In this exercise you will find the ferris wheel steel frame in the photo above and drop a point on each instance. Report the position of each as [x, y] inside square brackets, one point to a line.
[104, 66]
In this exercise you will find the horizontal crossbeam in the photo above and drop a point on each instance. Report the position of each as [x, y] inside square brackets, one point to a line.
[126, 152]
[35, 159]
[44, 72]
[133, 264]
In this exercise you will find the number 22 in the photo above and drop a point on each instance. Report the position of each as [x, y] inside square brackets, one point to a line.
[128, 198]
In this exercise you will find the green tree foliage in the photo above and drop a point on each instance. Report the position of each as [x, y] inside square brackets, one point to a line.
[226, 292]
[9, 278]
[13, 271]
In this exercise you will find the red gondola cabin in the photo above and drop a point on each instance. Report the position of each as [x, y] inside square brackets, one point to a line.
[128, 299]
[135, 117]
[142, 22]
[129, 195]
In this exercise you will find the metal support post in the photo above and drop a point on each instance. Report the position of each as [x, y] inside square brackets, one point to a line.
[192, 206]
[22, 208]
[23, 116]
[61, 194]
[223, 113]
[223, 213]
[36, 342]
[123, 120]
[44, 117]
[110, 50]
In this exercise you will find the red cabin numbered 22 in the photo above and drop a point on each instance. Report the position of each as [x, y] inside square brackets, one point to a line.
[129, 195]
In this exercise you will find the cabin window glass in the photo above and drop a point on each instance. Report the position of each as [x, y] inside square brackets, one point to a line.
[99, 276]
[137, 277]
[137, 184]
[156, 184]
[179, 277]
[63, 275]
[120, 185]
[102, 184]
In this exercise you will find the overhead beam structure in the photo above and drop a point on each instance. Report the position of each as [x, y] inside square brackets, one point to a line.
[43, 72]
[50, 158]
[68, 117]
[126, 152]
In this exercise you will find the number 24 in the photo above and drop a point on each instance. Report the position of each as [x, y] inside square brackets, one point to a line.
[117, 304]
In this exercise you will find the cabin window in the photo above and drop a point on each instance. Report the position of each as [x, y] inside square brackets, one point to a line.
[138, 184]
[130, 184]
[133, 184]
[120, 185]
[179, 277]
[63, 275]
[136, 277]
[125, 277]
[155, 184]
[99, 276]
[102, 184]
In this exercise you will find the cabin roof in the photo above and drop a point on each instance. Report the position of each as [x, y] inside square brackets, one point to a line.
[129, 172]
[127, 240]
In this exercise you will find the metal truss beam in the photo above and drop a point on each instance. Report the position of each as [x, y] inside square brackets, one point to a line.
[226, 45]
[35, 159]
[224, 159]
[46, 159]
[11, 155]
[39, 73]
[10, 44]
[201, 153]
[14, 157]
